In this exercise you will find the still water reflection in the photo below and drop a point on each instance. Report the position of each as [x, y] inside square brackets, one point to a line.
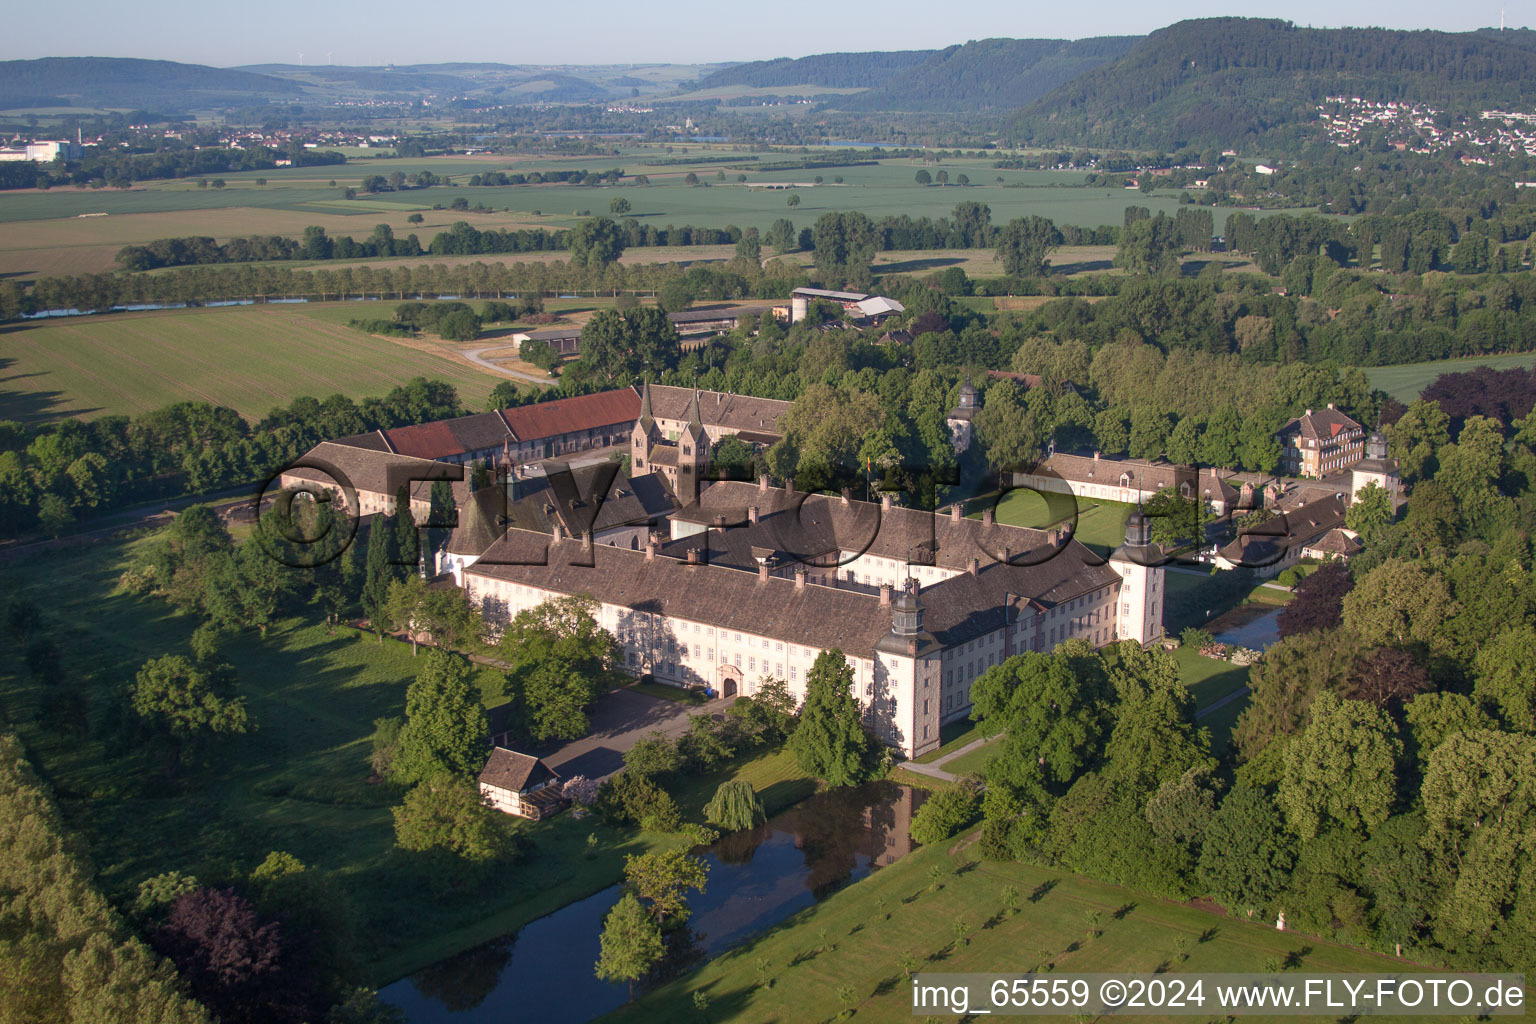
[757, 878]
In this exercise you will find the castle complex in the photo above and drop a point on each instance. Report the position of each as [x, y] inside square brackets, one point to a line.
[718, 584]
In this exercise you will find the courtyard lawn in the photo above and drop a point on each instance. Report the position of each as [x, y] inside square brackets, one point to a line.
[250, 358]
[853, 944]
[1099, 524]
[299, 783]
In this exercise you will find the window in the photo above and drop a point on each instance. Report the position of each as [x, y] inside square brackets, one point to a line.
[765, 643]
[779, 648]
[793, 673]
[738, 661]
[711, 654]
[752, 664]
[925, 709]
[738, 638]
[778, 668]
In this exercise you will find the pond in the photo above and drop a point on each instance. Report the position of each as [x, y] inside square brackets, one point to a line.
[757, 878]
[1257, 628]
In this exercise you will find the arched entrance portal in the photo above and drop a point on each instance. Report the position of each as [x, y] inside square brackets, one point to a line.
[730, 685]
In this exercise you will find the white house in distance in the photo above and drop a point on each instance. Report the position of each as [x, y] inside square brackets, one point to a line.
[520, 784]
[861, 304]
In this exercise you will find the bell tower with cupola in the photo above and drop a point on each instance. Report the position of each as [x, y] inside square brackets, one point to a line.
[1139, 614]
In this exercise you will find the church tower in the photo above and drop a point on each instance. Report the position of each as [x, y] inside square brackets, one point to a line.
[692, 454]
[642, 436]
[960, 417]
[1139, 562]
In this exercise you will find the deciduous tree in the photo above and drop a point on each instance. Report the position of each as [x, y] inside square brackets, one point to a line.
[830, 742]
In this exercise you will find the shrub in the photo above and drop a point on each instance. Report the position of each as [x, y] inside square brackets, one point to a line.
[942, 815]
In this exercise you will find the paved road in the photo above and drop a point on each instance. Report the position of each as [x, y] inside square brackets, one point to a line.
[474, 356]
[619, 720]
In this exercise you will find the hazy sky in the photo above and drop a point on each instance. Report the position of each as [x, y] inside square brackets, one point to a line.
[609, 31]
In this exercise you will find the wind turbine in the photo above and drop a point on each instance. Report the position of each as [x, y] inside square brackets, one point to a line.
[328, 59]
[301, 58]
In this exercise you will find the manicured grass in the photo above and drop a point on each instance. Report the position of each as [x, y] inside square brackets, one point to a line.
[865, 943]
[952, 737]
[299, 782]
[1099, 524]
[974, 762]
[1405, 382]
[250, 358]
[666, 692]
[1209, 679]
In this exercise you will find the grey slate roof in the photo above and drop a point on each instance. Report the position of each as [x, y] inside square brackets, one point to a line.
[717, 408]
[817, 616]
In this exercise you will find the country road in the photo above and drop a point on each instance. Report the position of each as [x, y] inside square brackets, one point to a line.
[475, 356]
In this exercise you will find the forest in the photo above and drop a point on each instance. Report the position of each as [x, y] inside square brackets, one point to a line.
[1381, 787]
[1239, 82]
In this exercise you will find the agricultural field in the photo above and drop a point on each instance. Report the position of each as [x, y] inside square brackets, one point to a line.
[1405, 382]
[63, 230]
[250, 358]
[848, 951]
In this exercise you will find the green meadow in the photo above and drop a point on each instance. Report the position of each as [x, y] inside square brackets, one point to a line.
[1405, 382]
[852, 953]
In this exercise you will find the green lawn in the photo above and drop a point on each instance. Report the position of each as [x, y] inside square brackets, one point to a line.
[1100, 524]
[299, 782]
[870, 926]
[952, 737]
[250, 358]
[1405, 382]
[973, 762]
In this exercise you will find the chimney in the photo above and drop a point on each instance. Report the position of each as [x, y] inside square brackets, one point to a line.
[1007, 555]
[954, 512]
[789, 486]
[559, 531]
[1309, 412]
[800, 575]
[1095, 456]
[693, 556]
[986, 517]
[720, 522]
[1330, 405]
[586, 541]
[885, 595]
[973, 566]
[650, 549]
[846, 496]
[885, 502]
[762, 482]
[752, 514]
[762, 571]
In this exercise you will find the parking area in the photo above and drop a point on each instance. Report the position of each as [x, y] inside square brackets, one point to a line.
[619, 719]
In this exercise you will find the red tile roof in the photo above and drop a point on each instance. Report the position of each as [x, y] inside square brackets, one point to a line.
[570, 415]
[424, 441]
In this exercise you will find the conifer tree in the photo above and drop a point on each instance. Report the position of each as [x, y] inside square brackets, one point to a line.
[377, 574]
[407, 546]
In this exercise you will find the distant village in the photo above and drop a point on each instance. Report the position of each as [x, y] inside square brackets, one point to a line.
[1420, 128]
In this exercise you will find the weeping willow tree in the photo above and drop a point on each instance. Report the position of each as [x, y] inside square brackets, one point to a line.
[735, 806]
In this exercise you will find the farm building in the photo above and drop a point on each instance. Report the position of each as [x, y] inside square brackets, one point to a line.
[521, 784]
